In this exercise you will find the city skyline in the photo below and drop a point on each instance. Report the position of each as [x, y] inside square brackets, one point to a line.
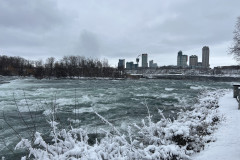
[184, 61]
[41, 29]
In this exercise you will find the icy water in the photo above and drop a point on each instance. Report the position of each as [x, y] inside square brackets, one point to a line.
[26, 104]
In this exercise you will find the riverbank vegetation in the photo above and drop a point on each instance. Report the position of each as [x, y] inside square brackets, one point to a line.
[68, 66]
[167, 139]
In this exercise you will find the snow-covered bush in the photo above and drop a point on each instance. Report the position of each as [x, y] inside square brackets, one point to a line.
[166, 140]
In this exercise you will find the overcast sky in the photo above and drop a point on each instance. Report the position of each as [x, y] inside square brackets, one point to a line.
[37, 29]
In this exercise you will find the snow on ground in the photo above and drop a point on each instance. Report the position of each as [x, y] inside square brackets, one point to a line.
[227, 145]
[167, 139]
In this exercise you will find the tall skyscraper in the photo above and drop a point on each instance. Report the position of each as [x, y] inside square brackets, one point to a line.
[193, 61]
[121, 64]
[179, 58]
[144, 60]
[205, 57]
[182, 59]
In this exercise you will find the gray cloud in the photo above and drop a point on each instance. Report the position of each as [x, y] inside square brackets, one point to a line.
[30, 15]
[117, 29]
[88, 44]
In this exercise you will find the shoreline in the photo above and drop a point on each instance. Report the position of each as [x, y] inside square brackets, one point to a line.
[197, 78]
[181, 138]
[6, 79]
[227, 144]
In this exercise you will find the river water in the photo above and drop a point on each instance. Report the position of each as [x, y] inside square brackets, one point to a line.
[26, 104]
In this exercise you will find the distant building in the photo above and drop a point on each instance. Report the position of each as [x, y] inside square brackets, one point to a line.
[129, 65]
[144, 60]
[205, 57]
[169, 67]
[229, 70]
[135, 66]
[193, 61]
[121, 64]
[152, 65]
[179, 58]
[199, 65]
[182, 60]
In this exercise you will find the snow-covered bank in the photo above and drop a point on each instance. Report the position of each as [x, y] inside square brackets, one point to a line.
[166, 139]
[227, 145]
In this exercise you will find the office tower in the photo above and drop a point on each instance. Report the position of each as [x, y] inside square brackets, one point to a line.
[121, 64]
[129, 65]
[135, 66]
[193, 61]
[179, 58]
[205, 57]
[144, 60]
[182, 60]
[152, 65]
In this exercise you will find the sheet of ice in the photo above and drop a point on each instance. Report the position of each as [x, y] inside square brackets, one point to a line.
[227, 145]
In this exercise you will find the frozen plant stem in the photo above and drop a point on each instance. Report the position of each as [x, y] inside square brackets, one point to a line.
[20, 114]
[30, 114]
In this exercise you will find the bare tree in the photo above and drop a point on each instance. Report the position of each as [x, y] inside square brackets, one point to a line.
[49, 66]
[39, 69]
[235, 50]
[72, 66]
[105, 63]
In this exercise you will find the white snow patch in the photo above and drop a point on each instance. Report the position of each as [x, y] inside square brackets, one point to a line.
[165, 139]
[227, 145]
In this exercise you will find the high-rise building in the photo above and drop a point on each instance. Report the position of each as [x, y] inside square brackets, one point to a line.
[182, 60]
[205, 57]
[121, 64]
[179, 58]
[135, 66]
[144, 60]
[193, 61]
[152, 65]
[130, 65]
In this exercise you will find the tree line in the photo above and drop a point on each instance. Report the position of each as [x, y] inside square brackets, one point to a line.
[67, 67]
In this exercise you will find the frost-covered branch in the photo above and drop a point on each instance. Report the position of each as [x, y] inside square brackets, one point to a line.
[166, 139]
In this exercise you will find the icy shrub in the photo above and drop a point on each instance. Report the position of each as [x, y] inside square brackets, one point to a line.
[165, 140]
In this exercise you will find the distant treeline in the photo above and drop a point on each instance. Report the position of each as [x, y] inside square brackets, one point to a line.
[68, 66]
